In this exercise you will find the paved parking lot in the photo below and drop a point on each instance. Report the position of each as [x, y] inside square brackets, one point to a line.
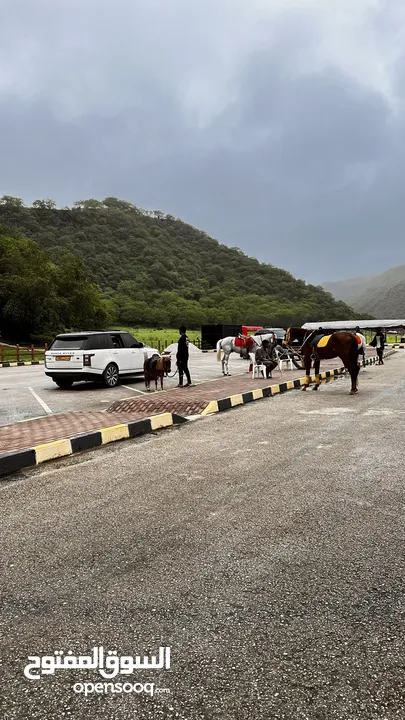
[27, 393]
[264, 546]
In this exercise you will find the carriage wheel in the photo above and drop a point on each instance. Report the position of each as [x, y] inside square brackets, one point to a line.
[297, 361]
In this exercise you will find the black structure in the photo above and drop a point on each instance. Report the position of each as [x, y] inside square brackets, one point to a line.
[210, 334]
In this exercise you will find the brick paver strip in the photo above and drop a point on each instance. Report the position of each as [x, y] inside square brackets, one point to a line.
[186, 401]
[199, 397]
[57, 427]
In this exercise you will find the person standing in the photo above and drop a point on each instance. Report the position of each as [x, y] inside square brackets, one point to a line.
[378, 342]
[182, 358]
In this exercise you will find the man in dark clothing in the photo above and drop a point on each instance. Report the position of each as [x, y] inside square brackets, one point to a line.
[378, 342]
[264, 355]
[182, 358]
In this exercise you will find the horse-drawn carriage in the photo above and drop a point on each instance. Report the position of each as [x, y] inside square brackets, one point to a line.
[301, 346]
[287, 353]
[246, 345]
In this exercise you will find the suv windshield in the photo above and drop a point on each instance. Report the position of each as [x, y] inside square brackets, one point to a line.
[279, 332]
[69, 343]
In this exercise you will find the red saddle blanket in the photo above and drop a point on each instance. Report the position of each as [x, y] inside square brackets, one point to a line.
[244, 342]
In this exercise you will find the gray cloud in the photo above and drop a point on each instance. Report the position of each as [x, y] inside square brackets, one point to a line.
[276, 129]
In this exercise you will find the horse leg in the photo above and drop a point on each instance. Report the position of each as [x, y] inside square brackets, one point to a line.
[354, 373]
[317, 363]
[307, 362]
[226, 361]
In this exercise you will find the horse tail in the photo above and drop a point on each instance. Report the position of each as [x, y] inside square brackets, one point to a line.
[354, 350]
[219, 350]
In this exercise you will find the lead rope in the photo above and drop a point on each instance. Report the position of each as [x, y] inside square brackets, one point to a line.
[175, 373]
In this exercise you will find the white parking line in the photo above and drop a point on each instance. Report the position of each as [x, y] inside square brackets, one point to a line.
[134, 389]
[41, 402]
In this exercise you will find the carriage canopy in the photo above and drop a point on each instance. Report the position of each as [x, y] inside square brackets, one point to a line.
[352, 324]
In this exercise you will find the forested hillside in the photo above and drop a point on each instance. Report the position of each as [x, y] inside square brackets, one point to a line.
[38, 297]
[154, 269]
[382, 295]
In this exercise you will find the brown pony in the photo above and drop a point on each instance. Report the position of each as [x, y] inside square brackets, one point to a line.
[340, 344]
[156, 367]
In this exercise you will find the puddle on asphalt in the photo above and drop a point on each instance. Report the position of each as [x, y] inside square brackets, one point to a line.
[381, 411]
[329, 411]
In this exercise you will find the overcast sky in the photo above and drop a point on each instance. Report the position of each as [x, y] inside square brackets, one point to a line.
[277, 126]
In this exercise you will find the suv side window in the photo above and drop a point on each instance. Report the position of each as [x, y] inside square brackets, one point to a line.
[130, 342]
[116, 340]
[97, 342]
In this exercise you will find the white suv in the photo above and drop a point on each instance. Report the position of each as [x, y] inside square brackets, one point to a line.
[96, 356]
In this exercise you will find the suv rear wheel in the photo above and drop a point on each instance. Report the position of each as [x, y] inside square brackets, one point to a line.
[110, 376]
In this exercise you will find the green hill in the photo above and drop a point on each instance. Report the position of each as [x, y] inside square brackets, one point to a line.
[155, 269]
[381, 295]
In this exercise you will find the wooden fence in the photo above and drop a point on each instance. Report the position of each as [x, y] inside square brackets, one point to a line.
[21, 353]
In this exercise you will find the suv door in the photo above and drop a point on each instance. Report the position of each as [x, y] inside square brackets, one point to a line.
[137, 353]
[120, 354]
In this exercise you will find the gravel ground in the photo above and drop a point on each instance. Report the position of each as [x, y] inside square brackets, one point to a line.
[265, 546]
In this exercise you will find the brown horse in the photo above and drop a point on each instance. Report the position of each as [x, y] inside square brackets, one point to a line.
[338, 344]
[156, 367]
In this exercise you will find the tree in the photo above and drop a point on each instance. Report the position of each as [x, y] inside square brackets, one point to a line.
[10, 201]
[44, 204]
[37, 296]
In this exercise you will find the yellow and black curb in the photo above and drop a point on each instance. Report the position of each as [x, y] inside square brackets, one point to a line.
[21, 459]
[265, 392]
[21, 363]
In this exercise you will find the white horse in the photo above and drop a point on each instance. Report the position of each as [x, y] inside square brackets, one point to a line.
[228, 345]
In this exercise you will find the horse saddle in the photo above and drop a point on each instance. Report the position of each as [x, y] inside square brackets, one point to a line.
[244, 341]
[320, 340]
[150, 363]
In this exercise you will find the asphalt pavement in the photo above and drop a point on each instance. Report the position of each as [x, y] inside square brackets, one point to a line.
[26, 392]
[264, 546]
